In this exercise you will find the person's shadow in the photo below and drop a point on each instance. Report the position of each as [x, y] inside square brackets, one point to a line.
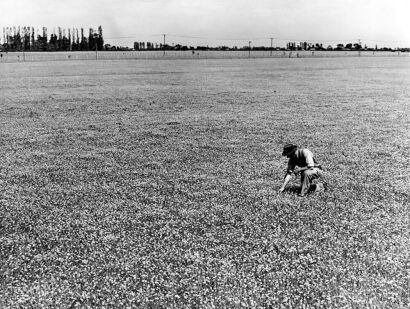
[314, 187]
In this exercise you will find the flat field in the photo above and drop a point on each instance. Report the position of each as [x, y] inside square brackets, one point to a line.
[154, 183]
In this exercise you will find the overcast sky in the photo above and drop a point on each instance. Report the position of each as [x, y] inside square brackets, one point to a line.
[222, 22]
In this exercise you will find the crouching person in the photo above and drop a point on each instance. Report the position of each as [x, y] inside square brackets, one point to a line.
[301, 161]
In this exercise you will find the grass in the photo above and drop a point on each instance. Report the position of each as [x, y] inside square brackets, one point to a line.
[154, 184]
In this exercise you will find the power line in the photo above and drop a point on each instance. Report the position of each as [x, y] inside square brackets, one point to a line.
[120, 37]
[386, 41]
[211, 38]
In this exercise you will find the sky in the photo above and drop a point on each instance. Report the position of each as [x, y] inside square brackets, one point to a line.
[221, 22]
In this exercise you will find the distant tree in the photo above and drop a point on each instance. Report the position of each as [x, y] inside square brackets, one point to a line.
[59, 42]
[53, 43]
[357, 46]
[100, 39]
[33, 41]
[5, 38]
[63, 45]
[91, 40]
[25, 39]
[17, 40]
[84, 41]
[74, 44]
[78, 42]
[43, 43]
[340, 46]
[69, 39]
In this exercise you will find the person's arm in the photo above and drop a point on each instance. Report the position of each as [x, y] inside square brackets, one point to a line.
[301, 169]
[287, 178]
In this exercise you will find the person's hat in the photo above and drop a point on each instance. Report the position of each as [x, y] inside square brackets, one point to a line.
[289, 149]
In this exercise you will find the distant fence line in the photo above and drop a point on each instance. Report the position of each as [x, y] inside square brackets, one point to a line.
[211, 54]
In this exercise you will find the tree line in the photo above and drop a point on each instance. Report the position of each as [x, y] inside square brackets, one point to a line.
[31, 39]
[290, 46]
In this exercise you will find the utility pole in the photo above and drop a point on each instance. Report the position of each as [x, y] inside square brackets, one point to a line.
[249, 49]
[164, 44]
[271, 46]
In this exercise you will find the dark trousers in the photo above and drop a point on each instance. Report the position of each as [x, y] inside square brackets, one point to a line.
[307, 177]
